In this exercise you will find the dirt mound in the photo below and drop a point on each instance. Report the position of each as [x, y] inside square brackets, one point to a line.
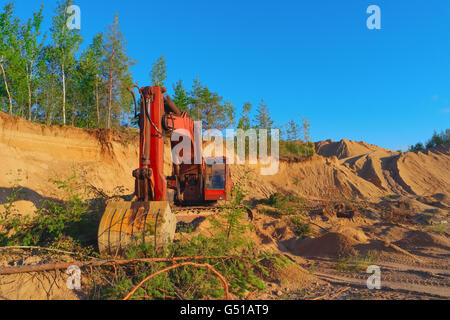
[331, 244]
[356, 234]
[417, 238]
[316, 177]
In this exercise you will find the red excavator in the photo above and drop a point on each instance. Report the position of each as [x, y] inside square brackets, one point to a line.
[195, 180]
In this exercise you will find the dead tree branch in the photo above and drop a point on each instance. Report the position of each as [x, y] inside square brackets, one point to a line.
[96, 263]
[204, 265]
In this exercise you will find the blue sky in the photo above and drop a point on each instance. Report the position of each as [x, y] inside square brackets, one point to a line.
[308, 58]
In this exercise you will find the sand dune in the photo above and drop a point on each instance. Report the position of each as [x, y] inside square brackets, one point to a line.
[408, 173]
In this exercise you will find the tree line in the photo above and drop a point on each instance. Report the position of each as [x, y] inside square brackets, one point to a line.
[436, 140]
[47, 78]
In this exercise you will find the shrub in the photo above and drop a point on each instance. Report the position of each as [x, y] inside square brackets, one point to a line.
[296, 149]
[300, 228]
[58, 223]
[285, 205]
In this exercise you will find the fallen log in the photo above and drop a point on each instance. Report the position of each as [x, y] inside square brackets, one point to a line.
[96, 263]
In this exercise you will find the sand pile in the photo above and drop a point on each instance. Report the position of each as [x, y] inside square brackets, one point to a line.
[317, 177]
[426, 173]
[417, 238]
[355, 234]
[409, 173]
[345, 148]
[331, 244]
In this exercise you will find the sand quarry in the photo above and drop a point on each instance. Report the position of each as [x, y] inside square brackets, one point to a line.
[366, 206]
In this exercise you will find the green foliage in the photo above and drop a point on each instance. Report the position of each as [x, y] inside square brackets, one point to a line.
[9, 51]
[30, 49]
[181, 96]
[209, 107]
[118, 74]
[159, 72]
[244, 121]
[296, 149]
[9, 216]
[300, 228]
[89, 87]
[419, 147]
[242, 269]
[285, 205]
[292, 131]
[65, 45]
[57, 223]
[263, 119]
[306, 127]
[436, 140]
[190, 282]
[52, 81]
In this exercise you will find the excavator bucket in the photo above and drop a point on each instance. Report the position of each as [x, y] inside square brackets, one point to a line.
[130, 223]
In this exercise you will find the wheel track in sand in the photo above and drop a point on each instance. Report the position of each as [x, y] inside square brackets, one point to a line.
[395, 276]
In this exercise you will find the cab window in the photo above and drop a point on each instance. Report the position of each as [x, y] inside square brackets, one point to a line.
[215, 177]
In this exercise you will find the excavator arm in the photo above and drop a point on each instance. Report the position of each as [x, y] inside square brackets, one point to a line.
[148, 217]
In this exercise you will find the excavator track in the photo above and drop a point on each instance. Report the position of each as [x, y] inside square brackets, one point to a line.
[189, 214]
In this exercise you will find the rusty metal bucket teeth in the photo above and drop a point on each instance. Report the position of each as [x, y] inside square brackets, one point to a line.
[125, 223]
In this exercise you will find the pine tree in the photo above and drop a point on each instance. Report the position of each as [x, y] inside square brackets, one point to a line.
[306, 126]
[117, 65]
[263, 119]
[292, 131]
[159, 72]
[181, 96]
[90, 82]
[244, 121]
[208, 107]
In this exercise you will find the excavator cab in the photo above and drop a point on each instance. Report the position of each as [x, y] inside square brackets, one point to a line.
[217, 179]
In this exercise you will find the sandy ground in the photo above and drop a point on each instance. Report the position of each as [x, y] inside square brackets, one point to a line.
[375, 205]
